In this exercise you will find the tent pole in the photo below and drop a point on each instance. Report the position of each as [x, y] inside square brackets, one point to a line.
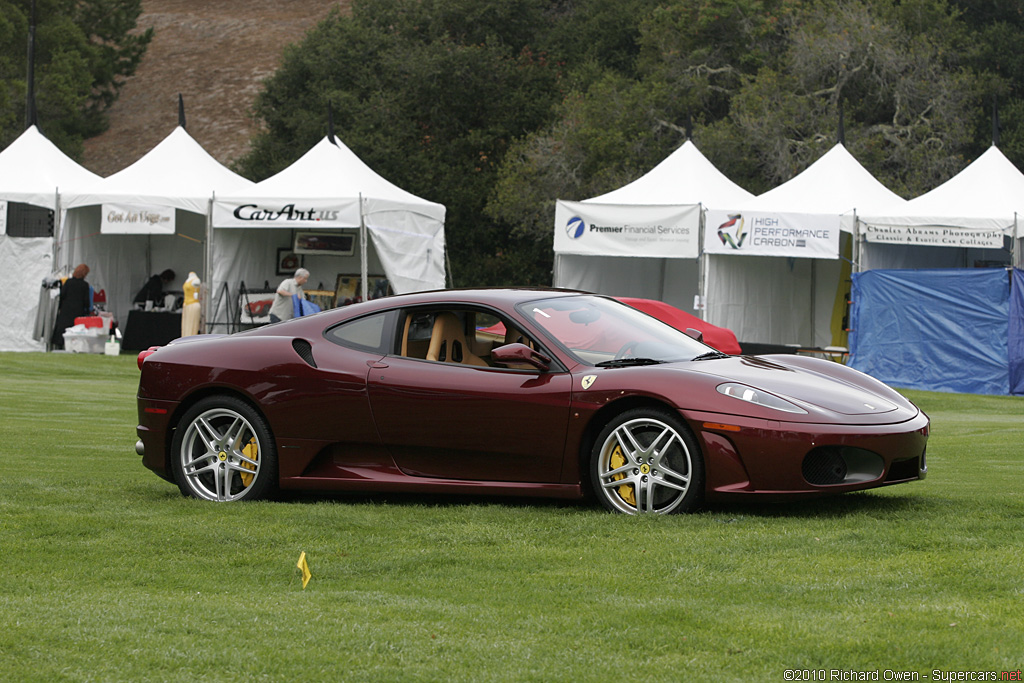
[661, 284]
[856, 242]
[448, 267]
[55, 263]
[363, 267]
[814, 302]
[702, 265]
[1014, 251]
[207, 269]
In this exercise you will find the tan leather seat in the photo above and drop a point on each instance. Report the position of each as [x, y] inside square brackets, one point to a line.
[448, 342]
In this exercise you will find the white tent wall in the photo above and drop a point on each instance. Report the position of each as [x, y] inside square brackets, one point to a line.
[121, 264]
[674, 281]
[250, 256]
[24, 263]
[408, 244]
[32, 170]
[777, 300]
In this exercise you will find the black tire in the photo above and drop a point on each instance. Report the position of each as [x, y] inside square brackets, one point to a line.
[223, 451]
[656, 459]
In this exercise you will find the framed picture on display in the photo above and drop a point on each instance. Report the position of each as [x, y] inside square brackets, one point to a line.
[325, 243]
[287, 261]
[324, 298]
[254, 306]
[348, 289]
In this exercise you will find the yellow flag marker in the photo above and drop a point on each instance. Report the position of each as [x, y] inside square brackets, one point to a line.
[305, 569]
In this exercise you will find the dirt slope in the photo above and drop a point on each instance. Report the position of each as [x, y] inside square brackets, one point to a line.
[215, 54]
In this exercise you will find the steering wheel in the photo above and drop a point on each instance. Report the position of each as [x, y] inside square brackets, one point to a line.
[626, 348]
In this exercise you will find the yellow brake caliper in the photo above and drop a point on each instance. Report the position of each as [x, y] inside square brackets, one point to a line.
[626, 491]
[250, 451]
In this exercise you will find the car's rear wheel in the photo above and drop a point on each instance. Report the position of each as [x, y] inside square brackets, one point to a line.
[223, 451]
[647, 461]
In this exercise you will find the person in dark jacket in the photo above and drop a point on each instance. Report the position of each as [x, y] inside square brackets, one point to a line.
[75, 302]
[153, 290]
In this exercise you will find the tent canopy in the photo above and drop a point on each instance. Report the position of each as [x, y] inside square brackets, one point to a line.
[330, 188]
[177, 177]
[799, 299]
[987, 195]
[974, 212]
[683, 177]
[177, 173]
[33, 169]
[654, 221]
[835, 184]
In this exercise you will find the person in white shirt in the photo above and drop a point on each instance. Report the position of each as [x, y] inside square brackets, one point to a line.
[282, 309]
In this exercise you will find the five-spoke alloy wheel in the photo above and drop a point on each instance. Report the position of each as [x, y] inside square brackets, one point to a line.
[647, 461]
[224, 451]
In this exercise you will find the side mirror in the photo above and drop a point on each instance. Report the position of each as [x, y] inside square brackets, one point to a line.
[695, 334]
[510, 354]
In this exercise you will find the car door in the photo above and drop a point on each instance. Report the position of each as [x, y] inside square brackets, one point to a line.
[452, 420]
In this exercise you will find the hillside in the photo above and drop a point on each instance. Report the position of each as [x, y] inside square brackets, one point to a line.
[215, 55]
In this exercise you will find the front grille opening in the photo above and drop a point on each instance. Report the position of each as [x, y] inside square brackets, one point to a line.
[834, 465]
[909, 468]
[305, 351]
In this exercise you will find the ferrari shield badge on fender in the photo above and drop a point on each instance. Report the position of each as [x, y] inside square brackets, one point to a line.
[587, 381]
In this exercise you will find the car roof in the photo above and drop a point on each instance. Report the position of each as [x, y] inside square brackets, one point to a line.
[502, 297]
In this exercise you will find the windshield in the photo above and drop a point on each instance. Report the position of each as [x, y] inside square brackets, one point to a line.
[599, 331]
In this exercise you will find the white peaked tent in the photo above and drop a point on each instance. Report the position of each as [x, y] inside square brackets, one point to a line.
[972, 212]
[148, 217]
[775, 271]
[643, 239]
[32, 171]
[329, 190]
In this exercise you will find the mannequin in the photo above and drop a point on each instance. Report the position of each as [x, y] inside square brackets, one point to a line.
[190, 309]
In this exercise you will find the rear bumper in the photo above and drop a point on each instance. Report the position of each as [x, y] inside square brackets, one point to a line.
[155, 430]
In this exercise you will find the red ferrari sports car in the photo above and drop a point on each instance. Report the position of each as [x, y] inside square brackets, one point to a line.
[579, 395]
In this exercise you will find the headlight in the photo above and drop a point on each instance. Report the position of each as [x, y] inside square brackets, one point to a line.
[758, 397]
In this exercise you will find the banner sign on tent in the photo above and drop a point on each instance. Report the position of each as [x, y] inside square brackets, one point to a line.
[763, 233]
[933, 235]
[286, 213]
[627, 230]
[122, 219]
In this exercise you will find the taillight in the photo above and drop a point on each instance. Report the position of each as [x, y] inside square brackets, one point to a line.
[146, 354]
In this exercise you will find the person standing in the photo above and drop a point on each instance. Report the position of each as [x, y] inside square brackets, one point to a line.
[75, 302]
[153, 290]
[282, 308]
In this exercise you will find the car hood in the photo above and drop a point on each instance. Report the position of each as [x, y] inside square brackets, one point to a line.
[814, 384]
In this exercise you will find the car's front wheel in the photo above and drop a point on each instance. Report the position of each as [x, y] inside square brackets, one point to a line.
[223, 451]
[647, 461]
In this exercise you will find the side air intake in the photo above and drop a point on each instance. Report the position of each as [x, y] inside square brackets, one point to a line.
[305, 351]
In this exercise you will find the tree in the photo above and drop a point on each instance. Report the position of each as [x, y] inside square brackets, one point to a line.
[84, 49]
[429, 94]
[763, 81]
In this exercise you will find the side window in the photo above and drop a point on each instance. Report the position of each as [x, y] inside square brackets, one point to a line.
[462, 336]
[366, 334]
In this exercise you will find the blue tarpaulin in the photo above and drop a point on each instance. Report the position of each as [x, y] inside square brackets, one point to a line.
[301, 307]
[1016, 341]
[938, 330]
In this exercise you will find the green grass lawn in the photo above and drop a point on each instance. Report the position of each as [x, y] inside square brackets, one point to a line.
[108, 574]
